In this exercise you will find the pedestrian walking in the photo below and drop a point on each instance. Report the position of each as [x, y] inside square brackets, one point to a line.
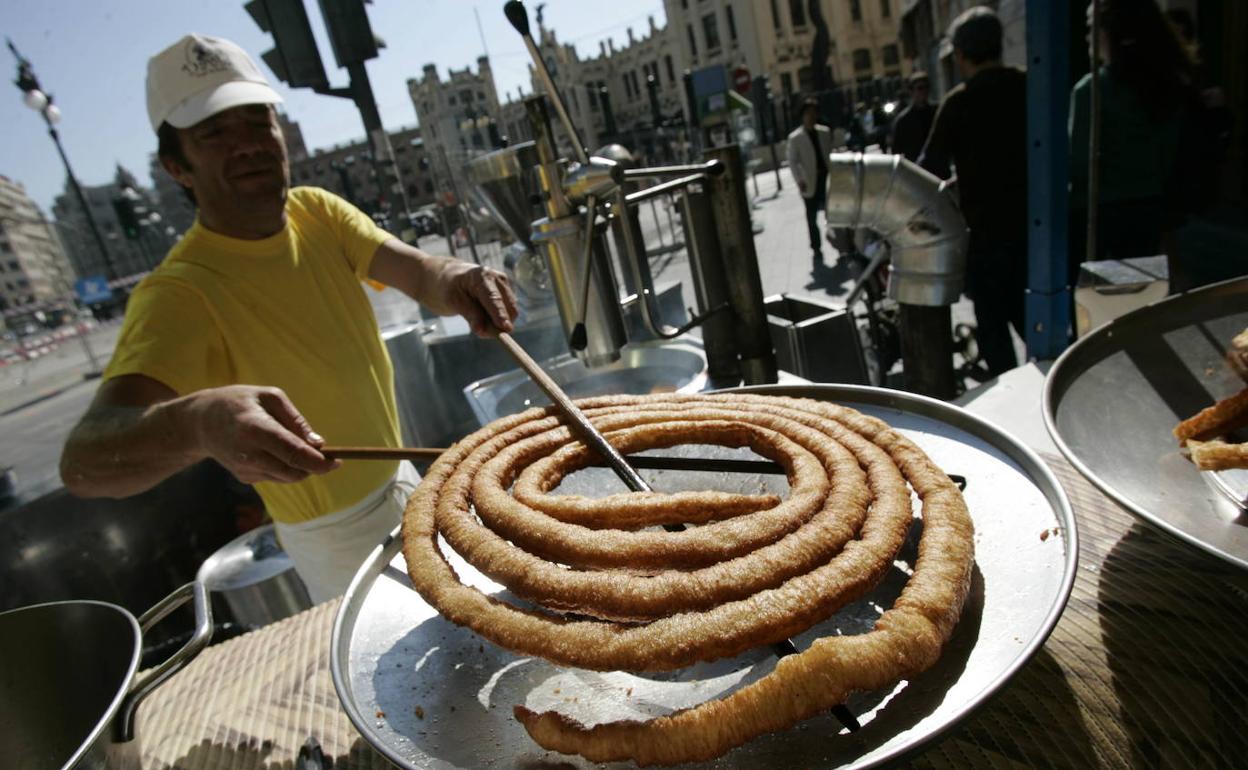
[808, 149]
[981, 130]
[914, 123]
[254, 337]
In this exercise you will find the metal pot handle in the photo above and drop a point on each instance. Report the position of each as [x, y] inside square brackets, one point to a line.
[123, 726]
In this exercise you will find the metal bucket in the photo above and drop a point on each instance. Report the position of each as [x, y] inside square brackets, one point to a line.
[256, 578]
[68, 694]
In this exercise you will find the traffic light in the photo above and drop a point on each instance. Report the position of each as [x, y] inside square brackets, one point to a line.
[764, 117]
[692, 99]
[296, 60]
[656, 112]
[127, 216]
[350, 34]
[608, 116]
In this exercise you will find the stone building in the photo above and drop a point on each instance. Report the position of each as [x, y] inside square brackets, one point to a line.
[347, 170]
[459, 119]
[34, 272]
[129, 258]
[776, 38]
[632, 95]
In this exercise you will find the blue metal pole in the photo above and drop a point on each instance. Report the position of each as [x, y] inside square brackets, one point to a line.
[1048, 174]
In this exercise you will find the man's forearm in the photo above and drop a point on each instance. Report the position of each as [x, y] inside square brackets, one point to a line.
[122, 451]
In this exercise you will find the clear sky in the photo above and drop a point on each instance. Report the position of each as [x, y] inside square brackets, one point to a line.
[92, 56]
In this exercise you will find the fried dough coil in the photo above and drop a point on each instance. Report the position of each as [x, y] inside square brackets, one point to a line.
[718, 589]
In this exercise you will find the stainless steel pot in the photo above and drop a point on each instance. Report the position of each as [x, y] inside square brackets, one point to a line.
[68, 694]
[256, 578]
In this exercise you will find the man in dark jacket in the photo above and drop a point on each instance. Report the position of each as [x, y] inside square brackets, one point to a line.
[981, 131]
[912, 126]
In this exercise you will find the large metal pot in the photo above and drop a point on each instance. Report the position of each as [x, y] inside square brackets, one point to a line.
[68, 694]
[256, 578]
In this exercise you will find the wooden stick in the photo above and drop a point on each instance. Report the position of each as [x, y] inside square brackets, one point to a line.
[380, 453]
[577, 420]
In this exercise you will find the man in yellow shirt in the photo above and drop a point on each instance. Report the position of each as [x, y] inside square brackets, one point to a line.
[256, 328]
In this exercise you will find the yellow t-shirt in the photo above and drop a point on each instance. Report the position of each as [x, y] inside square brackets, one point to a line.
[286, 311]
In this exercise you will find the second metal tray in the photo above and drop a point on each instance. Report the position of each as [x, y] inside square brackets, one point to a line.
[1112, 400]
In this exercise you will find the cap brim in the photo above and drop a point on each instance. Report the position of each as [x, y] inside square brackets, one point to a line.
[210, 101]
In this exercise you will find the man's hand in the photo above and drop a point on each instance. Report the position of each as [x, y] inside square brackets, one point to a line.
[483, 296]
[256, 433]
[447, 286]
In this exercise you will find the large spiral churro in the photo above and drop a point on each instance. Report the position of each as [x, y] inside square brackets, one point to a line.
[756, 571]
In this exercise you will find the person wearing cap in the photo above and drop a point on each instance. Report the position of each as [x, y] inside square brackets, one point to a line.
[254, 337]
[980, 131]
[914, 123]
[808, 149]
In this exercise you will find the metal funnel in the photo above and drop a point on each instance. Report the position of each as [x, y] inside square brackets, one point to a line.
[499, 177]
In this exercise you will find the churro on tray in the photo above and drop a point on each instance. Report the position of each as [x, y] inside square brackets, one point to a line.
[754, 571]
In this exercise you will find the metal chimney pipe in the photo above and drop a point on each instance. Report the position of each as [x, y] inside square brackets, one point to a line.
[918, 216]
[914, 211]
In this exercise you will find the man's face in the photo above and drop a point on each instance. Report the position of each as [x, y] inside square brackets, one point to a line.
[920, 91]
[809, 115]
[237, 158]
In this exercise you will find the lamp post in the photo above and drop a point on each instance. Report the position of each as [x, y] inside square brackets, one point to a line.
[41, 102]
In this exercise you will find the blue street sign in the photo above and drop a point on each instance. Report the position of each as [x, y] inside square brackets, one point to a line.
[93, 289]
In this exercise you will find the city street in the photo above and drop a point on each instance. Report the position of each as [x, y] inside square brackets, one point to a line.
[40, 400]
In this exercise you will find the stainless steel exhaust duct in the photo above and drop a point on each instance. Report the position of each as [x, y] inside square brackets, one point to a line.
[914, 211]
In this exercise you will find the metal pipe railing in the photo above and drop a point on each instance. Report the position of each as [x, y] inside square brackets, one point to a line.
[660, 172]
[662, 188]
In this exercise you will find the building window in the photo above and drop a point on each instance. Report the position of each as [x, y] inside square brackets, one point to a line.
[786, 83]
[775, 14]
[710, 30]
[693, 41]
[855, 10]
[886, 9]
[671, 69]
[732, 24]
[862, 59]
[593, 96]
[797, 11]
[889, 55]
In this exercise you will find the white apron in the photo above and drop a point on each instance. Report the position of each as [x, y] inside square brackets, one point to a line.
[328, 550]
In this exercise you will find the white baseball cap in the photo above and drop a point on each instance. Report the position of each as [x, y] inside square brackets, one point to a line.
[199, 76]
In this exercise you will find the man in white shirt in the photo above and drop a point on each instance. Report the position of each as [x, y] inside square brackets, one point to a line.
[808, 148]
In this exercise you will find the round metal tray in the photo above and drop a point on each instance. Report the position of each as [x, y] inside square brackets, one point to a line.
[1113, 398]
[429, 694]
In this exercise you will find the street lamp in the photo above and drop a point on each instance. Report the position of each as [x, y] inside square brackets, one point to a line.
[41, 101]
